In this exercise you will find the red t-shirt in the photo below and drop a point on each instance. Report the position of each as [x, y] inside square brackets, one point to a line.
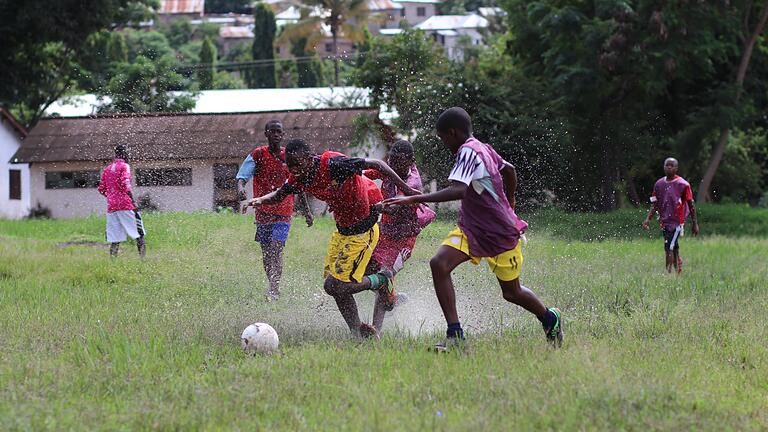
[337, 180]
[271, 173]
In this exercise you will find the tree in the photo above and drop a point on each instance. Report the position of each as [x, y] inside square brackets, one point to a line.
[42, 41]
[345, 18]
[207, 67]
[179, 32]
[308, 70]
[146, 86]
[746, 55]
[225, 6]
[263, 74]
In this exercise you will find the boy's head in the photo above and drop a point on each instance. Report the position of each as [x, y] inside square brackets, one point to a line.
[401, 158]
[121, 152]
[298, 157]
[273, 130]
[454, 127]
[670, 167]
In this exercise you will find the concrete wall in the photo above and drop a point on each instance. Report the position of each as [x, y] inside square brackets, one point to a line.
[411, 12]
[9, 144]
[68, 203]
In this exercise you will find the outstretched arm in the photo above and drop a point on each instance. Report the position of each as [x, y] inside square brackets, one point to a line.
[383, 168]
[273, 197]
[455, 191]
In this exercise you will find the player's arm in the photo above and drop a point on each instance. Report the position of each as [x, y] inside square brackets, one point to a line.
[455, 191]
[244, 174]
[651, 213]
[694, 217]
[273, 197]
[305, 209]
[385, 170]
[509, 176]
[102, 188]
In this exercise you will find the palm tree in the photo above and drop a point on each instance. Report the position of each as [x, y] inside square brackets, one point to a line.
[346, 18]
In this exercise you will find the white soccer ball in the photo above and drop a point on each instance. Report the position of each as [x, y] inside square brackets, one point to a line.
[259, 338]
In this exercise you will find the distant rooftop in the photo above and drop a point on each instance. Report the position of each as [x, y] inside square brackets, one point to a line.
[181, 7]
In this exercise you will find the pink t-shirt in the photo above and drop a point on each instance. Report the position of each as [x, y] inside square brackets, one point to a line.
[115, 185]
[671, 199]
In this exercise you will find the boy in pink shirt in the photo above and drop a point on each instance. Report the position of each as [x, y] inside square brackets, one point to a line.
[123, 220]
[673, 199]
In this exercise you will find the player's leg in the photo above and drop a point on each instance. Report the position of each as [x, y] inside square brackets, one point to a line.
[272, 258]
[113, 249]
[442, 264]
[116, 232]
[668, 250]
[345, 264]
[141, 243]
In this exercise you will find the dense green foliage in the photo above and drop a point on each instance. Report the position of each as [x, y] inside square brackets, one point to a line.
[588, 99]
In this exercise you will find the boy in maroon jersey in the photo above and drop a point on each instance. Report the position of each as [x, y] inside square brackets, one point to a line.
[399, 226]
[266, 165]
[354, 201]
[673, 199]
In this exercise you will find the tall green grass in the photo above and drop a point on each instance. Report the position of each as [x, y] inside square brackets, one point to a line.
[93, 343]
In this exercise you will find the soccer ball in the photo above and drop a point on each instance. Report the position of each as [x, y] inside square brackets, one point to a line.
[259, 338]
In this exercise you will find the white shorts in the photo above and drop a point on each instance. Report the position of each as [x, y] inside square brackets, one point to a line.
[123, 224]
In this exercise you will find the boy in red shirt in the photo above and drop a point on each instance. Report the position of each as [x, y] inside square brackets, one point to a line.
[266, 165]
[123, 220]
[673, 199]
[355, 203]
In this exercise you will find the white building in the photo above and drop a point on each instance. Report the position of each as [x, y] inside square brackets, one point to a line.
[417, 11]
[452, 32]
[14, 177]
[181, 162]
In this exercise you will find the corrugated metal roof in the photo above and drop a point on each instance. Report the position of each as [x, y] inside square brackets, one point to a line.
[182, 136]
[235, 32]
[453, 22]
[383, 5]
[181, 6]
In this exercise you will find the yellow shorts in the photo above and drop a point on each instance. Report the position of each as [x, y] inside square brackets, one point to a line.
[349, 255]
[506, 266]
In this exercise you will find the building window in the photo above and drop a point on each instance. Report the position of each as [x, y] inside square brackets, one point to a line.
[164, 177]
[328, 47]
[402, 12]
[14, 191]
[421, 11]
[277, 50]
[71, 179]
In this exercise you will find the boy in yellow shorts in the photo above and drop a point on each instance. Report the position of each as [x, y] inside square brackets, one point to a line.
[355, 202]
[488, 227]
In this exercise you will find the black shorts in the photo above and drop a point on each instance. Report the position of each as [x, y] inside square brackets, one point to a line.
[672, 238]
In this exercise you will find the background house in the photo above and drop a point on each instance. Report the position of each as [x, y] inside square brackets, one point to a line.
[181, 162]
[174, 9]
[455, 33]
[14, 177]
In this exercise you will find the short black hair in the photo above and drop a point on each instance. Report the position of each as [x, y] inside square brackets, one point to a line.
[402, 148]
[297, 146]
[121, 151]
[272, 123]
[454, 118]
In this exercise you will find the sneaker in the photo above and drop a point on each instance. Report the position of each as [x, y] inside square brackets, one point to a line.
[386, 284]
[555, 333]
[448, 345]
[368, 331]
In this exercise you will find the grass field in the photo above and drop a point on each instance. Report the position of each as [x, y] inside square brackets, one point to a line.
[91, 343]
